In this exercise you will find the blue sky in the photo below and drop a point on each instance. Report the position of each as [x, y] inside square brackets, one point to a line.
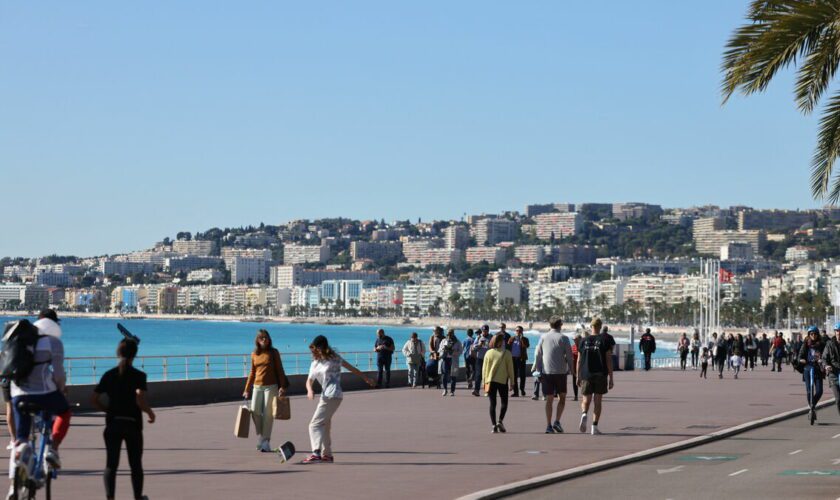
[124, 122]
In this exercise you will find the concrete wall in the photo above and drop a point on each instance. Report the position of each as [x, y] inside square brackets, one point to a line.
[199, 392]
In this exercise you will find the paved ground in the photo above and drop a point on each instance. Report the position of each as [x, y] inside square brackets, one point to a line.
[786, 460]
[416, 444]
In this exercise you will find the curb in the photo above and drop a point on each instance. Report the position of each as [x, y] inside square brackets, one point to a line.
[583, 470]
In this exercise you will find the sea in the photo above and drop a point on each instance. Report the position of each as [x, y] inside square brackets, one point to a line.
[208, 348]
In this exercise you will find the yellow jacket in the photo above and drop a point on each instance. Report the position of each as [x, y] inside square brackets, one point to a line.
[497, 367]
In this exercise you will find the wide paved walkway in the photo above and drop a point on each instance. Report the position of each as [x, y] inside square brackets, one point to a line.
[789, 459]
[409, 444]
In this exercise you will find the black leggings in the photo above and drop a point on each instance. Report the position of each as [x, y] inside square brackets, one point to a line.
[115, 433]
[502, 391]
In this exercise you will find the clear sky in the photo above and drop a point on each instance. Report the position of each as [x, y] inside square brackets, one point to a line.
[124, 122]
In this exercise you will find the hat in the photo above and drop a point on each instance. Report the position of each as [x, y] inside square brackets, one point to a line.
[49, 314]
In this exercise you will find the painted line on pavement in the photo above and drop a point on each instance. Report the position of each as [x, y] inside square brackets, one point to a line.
[738, 472]
[794, 452]
[835, 437]
[584, 470]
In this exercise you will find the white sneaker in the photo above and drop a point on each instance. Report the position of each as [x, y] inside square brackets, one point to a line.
[582, 426]
[595, 431]
[445, 393]
[53, 459]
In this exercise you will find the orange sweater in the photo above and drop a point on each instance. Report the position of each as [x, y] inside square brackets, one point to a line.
[263, 371]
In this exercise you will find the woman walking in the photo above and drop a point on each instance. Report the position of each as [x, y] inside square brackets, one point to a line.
[414, 353]
[721, 354]
[737, 358]
[497, 376]
[125, 387]
[695, 349]
[575, 347]
[326, 370]
[266, 381]
[683, 346]
[448, 353]
[810, 358]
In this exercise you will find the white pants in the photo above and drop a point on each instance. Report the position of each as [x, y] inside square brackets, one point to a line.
[319, 427]
[262, 407]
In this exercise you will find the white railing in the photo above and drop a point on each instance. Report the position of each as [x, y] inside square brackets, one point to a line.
[666, 362]
[88, 370]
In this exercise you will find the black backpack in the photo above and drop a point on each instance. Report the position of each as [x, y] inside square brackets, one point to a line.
[17, 358]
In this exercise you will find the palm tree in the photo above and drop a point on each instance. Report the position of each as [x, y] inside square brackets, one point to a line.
[804, 33]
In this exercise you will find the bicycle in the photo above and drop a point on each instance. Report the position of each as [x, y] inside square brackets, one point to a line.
[32, 470]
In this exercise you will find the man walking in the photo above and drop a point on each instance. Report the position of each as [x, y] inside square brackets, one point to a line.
[595, 374]
[553, 358]
[384, 349]
[647, 344]
[469, 360]
[518, 345]
[479, 348]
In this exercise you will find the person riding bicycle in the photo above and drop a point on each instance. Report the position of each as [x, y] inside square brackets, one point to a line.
[810, 357]
[43, 387]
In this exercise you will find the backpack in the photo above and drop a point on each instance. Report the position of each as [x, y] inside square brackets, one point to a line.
[17, 358]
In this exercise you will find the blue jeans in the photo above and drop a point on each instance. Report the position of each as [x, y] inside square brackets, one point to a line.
[448, 379]
[479, 365]
[54, 403]
[413, 371]
[383, 364]
[818, 385]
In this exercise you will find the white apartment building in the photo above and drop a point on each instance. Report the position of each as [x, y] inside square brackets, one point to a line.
[376, 251]
[530, 254]
[456, 236]
[381, 298]
[440, 256]
[415, 248]
[490, 231]
[228, 254]
[305, 254]
[290, 276]
[491, 255]
[559, 225]
[205, 275]
[248, 270]
[798, 253]
[194, 247]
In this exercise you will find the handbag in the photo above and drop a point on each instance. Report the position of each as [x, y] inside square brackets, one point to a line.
[243, 421]
[282, 408]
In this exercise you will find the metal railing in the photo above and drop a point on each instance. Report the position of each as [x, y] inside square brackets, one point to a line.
[666, 362]
[88, 370]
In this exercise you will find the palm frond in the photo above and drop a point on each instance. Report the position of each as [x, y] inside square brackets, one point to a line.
[818, 69]
[779, 32]
[828, 148]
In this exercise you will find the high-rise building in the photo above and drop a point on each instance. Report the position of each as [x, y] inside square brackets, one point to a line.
[558, 225]
[377, 251]
[488, 232]
[413, 248]
[457, 236]
[491, 255]
[305, 254]
[530, 254]
[710, 234]
[627, 211]
[194, 247]
[291, 276]
[249, 270]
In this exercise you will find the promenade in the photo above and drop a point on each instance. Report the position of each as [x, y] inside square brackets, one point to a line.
[415, 444]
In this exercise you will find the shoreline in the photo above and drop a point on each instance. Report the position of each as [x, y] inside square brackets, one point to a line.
[665, 332]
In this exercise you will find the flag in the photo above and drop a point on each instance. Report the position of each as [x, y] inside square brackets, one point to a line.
[725, 276]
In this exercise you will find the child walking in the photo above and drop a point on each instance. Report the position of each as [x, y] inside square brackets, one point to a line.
[704, 362]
